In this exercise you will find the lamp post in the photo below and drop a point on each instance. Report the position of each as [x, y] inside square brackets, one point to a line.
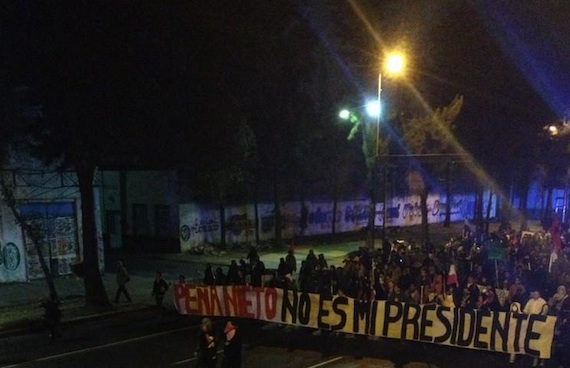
[394, 65]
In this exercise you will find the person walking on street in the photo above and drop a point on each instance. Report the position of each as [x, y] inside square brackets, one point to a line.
[206, 355]
[52, 316]
[122, 279]
[159, 288]
[232, 346]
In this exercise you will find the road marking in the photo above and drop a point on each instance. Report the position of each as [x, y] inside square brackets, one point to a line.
[326, 362]
[191, 359]
[99, 347]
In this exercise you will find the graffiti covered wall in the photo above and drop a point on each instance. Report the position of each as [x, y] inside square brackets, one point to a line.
[200, 224]
[12, 262]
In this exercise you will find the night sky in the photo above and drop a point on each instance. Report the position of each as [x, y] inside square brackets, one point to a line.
[175, 77]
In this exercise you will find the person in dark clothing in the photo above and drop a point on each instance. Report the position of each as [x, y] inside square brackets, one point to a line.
[206, 354]
[283, 268]
[209, 278]
[291, 261]
[252, 256]
[122, 279]
[52, 316]
[257, 271]
[159, 288]
[233, 277]
[304, 276]
[490, 301]
[232, 346]
[321, 261]
[311, 259]
[220, 278]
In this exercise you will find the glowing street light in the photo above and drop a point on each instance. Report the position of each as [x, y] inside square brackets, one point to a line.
[373, 109]
[344, 114]
[395, 63]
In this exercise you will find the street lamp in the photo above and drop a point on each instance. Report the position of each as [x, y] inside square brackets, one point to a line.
[394, 65]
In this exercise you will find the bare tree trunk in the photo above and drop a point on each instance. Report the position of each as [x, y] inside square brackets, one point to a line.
[256, 211]
[372, 210]
[277, 211]
[523, 208]
[423, 206]
[488, 214]
[334, 219]
[95, 294]
[123, 207]
[479, 210]
[222, 212]
[547, 214]
[448, 196]
[33, 234]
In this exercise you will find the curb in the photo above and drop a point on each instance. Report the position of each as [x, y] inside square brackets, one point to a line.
[35, 325]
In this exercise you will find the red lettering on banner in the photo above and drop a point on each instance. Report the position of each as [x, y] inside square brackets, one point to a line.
[204, 301]
[231, 304]
[192, 300]
[258, 291]
[241, 291]
[248, 305]
[215, 302]
[270, 303]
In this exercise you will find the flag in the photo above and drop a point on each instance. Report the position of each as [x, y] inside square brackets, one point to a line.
[553, 258]
[452, 276]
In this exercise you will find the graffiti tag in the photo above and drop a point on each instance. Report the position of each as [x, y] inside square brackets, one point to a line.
[239, 223]
[10, 257]
[202, 226]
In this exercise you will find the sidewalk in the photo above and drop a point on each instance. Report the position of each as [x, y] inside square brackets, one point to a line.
[20, 309]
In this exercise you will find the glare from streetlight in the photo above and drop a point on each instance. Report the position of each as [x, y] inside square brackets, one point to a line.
[373, 108]
[344, 114]
[395, 63]
[553, 129]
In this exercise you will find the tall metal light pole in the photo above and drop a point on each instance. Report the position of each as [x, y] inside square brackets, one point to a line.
[394, 65]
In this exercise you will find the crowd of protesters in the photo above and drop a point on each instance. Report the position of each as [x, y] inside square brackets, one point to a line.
[530, 274]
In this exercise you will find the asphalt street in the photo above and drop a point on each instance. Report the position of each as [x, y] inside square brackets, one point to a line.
[151, 339]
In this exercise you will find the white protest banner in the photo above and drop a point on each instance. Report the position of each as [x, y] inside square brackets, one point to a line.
[464, 328]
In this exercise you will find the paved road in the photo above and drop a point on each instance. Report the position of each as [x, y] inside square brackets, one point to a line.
[151, 340]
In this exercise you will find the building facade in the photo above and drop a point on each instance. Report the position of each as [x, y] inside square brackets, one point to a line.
[50, 201]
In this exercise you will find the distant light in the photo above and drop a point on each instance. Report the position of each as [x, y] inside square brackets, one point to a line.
[373, 109]
[395, 63]
[553, 129]
[344, 114]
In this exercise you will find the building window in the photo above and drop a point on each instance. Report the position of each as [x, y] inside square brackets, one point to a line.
[162, 220]
[140, 219]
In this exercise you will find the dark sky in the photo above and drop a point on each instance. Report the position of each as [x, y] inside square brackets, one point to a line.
[263, 60]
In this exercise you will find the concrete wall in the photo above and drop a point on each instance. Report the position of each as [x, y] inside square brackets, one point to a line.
[201, 223]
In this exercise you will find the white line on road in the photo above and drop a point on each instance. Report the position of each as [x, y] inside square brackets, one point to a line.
[191, 359]
[326, 362]
[99, 347]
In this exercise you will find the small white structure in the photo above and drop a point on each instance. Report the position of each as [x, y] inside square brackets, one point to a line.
[50, 200]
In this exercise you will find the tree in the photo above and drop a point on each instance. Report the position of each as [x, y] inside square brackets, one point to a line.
[32, 231]
[553, 162]
[431, 134]
[94, 68]
[224, 174]
[373, 146]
